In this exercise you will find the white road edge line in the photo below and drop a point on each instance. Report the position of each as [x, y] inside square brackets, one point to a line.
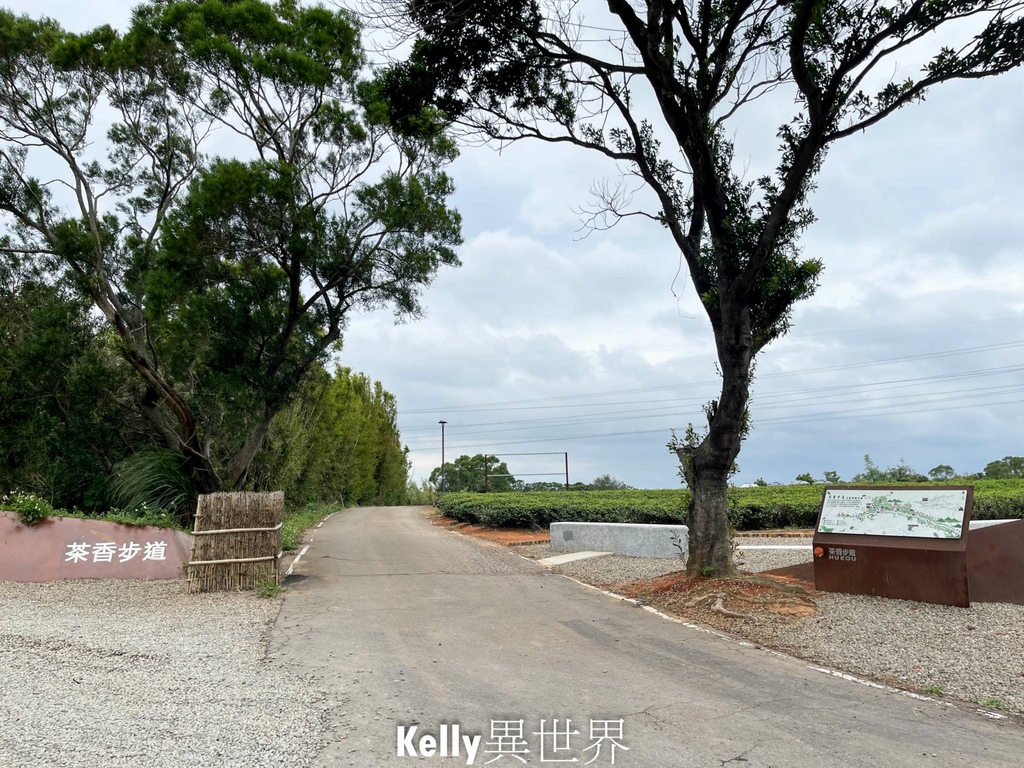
[747, 644]
[304, 550]
[993, 715]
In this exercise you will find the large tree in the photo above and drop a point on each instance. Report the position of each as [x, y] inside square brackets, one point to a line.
[479, 474]
[1009, 466]
[226, 278]
[654, 86]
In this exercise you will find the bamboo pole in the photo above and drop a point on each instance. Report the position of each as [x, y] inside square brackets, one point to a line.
[236, 530]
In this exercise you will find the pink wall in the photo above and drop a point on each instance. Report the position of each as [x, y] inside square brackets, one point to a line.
[69, 548]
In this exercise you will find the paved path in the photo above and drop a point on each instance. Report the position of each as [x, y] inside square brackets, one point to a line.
[407, 624]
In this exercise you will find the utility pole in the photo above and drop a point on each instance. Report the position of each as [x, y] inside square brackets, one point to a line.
[442, 423]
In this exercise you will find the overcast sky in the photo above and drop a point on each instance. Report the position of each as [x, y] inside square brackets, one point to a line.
[548, 342]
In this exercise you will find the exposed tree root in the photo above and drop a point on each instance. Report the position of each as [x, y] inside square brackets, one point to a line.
[718, 607]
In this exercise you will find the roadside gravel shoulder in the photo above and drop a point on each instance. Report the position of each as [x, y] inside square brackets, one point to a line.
[973, 655]
[139, 673]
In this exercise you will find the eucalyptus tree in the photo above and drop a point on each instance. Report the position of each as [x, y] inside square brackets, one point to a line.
[221, 182]
[658, 87]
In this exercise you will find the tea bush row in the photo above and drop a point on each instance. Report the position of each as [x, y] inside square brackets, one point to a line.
[791, 506]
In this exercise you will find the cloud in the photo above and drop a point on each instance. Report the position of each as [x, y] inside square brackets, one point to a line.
[546, 342]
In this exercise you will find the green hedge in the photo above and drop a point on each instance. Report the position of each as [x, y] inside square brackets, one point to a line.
[751, 509]
[545, 507]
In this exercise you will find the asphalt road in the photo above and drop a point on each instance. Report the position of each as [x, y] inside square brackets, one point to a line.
[409, 625]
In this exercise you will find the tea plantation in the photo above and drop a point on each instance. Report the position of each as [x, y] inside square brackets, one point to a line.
[789, 506]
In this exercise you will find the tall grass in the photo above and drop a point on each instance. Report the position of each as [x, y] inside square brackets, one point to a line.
[155, 478]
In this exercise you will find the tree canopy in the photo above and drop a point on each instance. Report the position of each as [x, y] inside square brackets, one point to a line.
[901, 473]
[223, 187]
[942, 472]
[477, 473]
[1009, 466]
[657, 87]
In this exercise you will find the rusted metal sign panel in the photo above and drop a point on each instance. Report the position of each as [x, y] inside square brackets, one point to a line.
[894, 541]
[69, 548]
[995, 562]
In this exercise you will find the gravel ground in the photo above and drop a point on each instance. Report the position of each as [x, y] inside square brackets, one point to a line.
[138, 673]
[615, 569]
[972, 654]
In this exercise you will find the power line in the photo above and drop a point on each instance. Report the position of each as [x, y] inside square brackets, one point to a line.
[834, 416]
[507, 404]
[762, 400]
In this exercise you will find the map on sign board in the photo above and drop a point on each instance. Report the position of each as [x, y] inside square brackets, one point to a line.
[922, 513]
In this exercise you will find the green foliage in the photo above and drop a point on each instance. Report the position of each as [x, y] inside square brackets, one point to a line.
[473, 473]
[942, 472]
[31, 509]
[542, 509]
[992, 702]
[65, 396]
[832, 477]
[137, 516]
[155, 478]
[607, 483]
[422, 494]
[805, 478]
[545, 485]
[677, 544]
[750, 509]
[298, 519]
[338, 442]
[268, 589]
[901, 473]
[225, 282]
[1011, 466]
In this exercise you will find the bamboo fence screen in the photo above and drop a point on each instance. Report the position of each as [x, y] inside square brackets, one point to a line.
[236, 542]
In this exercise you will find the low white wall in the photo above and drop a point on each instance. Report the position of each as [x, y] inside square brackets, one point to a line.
[631, 539]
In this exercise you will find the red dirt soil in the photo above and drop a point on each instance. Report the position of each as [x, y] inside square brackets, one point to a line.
[507, 536]
[758, 597]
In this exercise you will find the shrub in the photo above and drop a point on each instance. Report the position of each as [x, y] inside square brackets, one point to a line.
[750, 509]
[31, 509]
[155, 479]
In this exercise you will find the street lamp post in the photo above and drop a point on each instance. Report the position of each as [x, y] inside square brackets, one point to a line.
[442, 423]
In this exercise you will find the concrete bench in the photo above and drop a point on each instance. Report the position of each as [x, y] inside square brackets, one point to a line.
[631, 539]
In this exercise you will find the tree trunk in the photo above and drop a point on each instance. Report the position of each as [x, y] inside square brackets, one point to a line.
[708, 465]
[710, 542]
[238, 467]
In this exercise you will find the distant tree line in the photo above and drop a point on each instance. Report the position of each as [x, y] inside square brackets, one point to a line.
[480, 473]
[1001, 469]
